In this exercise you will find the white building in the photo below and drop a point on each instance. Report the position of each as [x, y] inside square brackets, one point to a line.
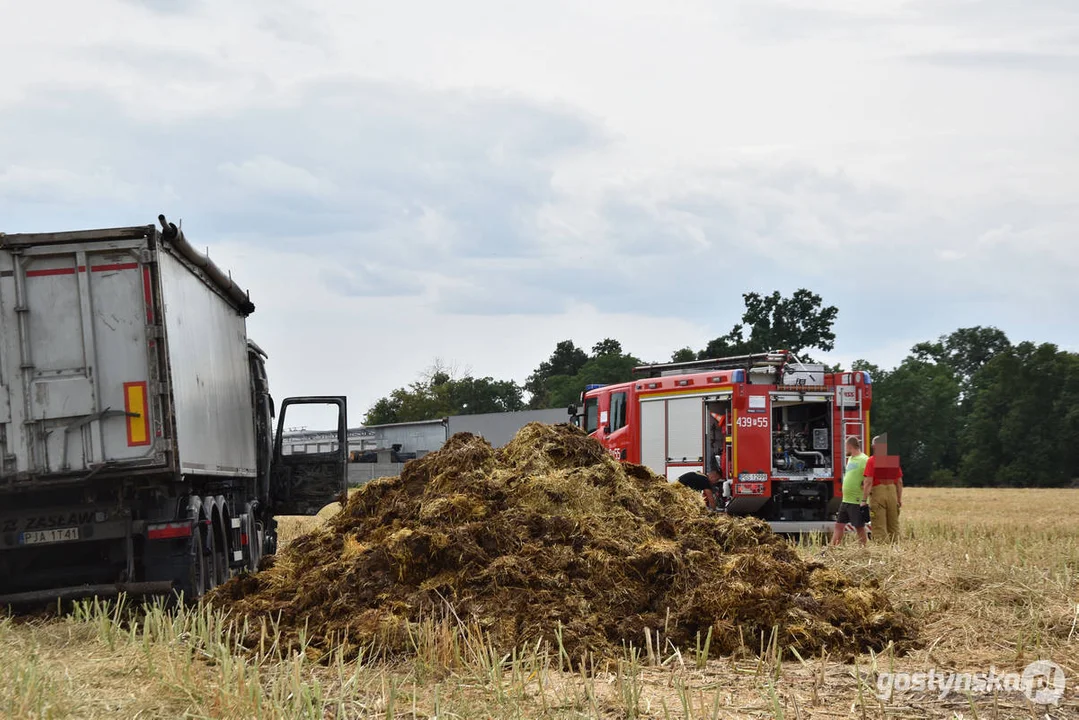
[381, 450]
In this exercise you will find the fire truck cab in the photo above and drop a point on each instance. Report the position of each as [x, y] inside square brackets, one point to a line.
[774, 426]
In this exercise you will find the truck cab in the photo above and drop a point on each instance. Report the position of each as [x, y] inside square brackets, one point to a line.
[609, 415]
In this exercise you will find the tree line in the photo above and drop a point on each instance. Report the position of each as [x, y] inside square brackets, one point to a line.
[970, 408]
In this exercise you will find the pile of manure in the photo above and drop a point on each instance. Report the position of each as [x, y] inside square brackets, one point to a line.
[551, 536]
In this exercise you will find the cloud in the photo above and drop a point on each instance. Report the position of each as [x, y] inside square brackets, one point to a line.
[1002, 60]
[997, 12]
[479, 182]
[778, 21]
[166, 7]
[364, 279]
[41, 184]
[454, 197]
[294, 24]
[268, 175]
[370, 159]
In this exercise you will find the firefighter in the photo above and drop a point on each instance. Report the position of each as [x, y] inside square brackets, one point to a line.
[886, 495]
[856, 486]
[705, 484]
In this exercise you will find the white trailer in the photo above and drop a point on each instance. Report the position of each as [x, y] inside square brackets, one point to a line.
[136, 448]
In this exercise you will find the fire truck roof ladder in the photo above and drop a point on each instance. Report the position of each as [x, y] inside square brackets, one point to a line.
[775, 358]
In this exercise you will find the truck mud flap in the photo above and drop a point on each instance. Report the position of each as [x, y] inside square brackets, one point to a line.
[82, 591]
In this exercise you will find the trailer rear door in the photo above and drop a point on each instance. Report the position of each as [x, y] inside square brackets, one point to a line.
[75, 354]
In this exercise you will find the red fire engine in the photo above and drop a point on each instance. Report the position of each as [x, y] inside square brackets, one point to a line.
[774, 426]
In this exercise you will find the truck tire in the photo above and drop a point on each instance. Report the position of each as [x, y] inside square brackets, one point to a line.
[269, 537]
[254, 542]
[218, 563]
[193, 581]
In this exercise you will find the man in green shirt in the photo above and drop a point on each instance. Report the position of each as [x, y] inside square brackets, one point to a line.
[855, 493]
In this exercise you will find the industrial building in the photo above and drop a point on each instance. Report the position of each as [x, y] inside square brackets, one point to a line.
[381, 450]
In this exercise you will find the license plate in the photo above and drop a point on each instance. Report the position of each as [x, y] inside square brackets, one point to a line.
[749, 489]
[37, 537]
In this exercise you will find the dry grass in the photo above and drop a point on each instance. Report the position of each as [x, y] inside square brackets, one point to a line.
[991, 575]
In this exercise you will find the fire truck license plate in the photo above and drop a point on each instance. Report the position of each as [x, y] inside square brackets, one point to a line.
[37, 537]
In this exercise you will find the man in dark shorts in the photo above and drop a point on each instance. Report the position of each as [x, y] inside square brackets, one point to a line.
[855, 494]
[702, 483]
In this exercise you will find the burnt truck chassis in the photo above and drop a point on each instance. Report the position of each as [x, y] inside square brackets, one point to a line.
[140, 534]
[154, 532]
[157, 524]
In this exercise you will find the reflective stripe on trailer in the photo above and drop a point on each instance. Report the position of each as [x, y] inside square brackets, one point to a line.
[148, 295]
[82, 268]
[168, 531]
[137, 405]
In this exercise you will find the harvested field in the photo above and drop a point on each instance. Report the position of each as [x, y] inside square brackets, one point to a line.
[550, 539]
[987, 590]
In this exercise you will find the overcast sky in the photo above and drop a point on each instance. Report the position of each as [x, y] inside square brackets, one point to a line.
[477, 180]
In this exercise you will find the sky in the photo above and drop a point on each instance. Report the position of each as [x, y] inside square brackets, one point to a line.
[472, 182]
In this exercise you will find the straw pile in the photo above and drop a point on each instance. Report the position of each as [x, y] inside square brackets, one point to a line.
[550, 534]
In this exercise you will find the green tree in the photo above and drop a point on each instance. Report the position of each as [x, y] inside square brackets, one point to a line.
[607, 346]
[606, 369]
[772, 322]
[439, 395]
[1023, 427]
[472, 396]
[873, 370]
[966, 351]
[607, 364]
[567, 359]
[385, 410]
[916, 405]
[683, 355]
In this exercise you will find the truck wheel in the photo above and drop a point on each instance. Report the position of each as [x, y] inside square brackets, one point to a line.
[254, 543]
[218, 565]
[269, 534]
[193, 583]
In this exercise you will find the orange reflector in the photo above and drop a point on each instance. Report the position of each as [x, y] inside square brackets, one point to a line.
[136, 403]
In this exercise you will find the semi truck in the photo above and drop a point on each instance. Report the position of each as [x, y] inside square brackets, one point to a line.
[774, 426]
[137, 448]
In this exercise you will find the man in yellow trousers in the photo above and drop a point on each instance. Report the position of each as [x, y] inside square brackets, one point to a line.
[886, 495]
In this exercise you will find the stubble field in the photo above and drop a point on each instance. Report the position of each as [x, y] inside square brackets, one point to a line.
[990, 576]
